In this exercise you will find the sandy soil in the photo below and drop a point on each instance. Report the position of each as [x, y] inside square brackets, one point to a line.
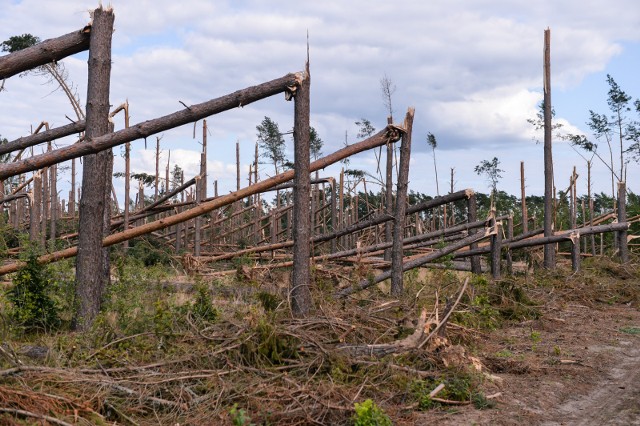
[578, 365]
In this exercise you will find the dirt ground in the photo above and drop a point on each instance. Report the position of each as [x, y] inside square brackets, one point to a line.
[577, 365]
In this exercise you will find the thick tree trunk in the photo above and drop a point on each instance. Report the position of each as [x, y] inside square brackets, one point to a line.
[190, 114]
[90, 280]
[51, 50]
[401, 206]
[300, 292]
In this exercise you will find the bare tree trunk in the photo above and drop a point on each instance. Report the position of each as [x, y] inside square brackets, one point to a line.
[592, 237]
[387, 135]
[35, 214]
[472, 217]
[401, 207]
[300, 292]
[388, 196]
[549, 249]
[51, 50]
[622, 217]
[523, 201]
[496, 248]
[153, 126]
[89, 284]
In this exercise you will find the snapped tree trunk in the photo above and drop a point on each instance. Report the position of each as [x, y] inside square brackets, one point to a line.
[549, 249]
[90, 261]
[401, 206]
[300, 292]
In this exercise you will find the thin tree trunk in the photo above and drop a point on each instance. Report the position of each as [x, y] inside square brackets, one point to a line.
[401, 206]
[622, 217]
[549, 250]
[388, 196]
[523, 201]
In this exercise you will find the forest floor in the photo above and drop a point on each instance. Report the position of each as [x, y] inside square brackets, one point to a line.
[544, 348]
[578, 364]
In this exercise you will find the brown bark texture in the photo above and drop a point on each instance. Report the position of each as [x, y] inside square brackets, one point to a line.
[43, 53]
[90, 261]
[94, 144]
[300, 292]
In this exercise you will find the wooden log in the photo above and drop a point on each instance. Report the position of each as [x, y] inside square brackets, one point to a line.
[148, 128]
[389, 134]
[415, 263]
[38, 138]
[472, 216]
[401, 206]
[48, 51]
[496, 249]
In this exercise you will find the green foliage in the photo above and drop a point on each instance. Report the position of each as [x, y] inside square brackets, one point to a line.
[366, 129]
[239, 417]
[368, 413]
[20, 42]
[268, 345]
[492, 171]
[270, 302]
[458, 386]
[32, 306]
[271, 142]
[202, 307]
[149, 252]
[315, 144]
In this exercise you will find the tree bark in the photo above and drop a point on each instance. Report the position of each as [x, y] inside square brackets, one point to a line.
[148, 128]
[472, 216]
[401, 207]
[549, 249]
[389, 134]
[51, 50]
[89, 284]
[300, 292]
[38, 138]
[623, 247]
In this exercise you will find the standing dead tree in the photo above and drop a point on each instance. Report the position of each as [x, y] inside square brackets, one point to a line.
[90, 264]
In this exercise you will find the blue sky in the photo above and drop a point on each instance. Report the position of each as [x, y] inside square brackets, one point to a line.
[472, 70]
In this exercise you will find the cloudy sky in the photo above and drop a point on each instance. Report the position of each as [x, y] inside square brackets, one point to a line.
[471, 68]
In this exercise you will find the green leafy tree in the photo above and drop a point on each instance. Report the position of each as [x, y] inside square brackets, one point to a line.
[315, 144]
[492, 171]
[271, 142]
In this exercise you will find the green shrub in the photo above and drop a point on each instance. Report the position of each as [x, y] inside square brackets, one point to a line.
[32, 307]
[202, 308]
[369, 414]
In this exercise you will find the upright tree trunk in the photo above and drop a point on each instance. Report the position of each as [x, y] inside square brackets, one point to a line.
[301, 302]
[622, 217]
[388, 196]
[401, 206]
[523, 201]
[549, 249]
[472, 216]
[89, 284]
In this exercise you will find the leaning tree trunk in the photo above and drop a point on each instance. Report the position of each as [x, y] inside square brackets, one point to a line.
[90, 260]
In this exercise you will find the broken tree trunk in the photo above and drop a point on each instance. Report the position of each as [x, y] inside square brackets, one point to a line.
[386, 135]
[549, 249]
[401, 206]
[142, 130]
[415, 263]
[300, 291]
[48, 51]
[89, 264]
[38, 138]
